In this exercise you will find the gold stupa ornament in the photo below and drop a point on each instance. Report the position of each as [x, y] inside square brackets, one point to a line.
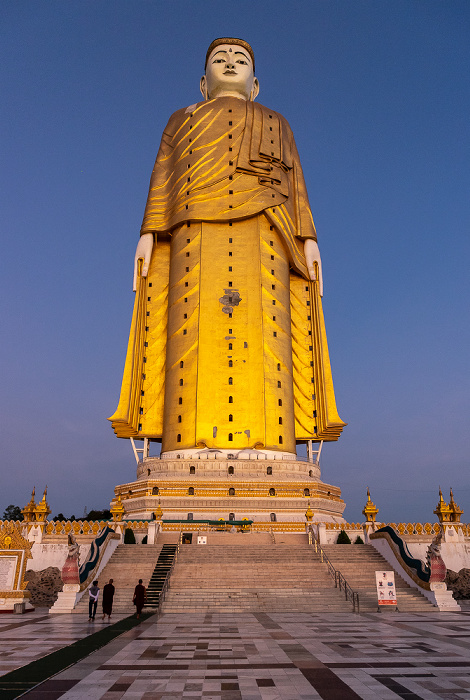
[370, 510]
[30, 508]
[117, 510]
[456, 512]
[42, 509]
[309, 513]
[159, 512]
[442, 510]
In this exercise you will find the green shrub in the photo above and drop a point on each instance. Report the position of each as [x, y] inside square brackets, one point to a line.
[129, 537]
[358, 540]
[144, 541]
[343, 538]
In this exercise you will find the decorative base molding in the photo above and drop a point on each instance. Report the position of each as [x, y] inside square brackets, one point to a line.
[442, 598]
[67, 598]
[257, 489]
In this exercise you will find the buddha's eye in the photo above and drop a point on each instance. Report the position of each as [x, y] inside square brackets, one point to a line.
[219, 60]
[244, 63]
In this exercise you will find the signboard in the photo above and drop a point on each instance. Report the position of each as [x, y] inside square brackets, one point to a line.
[202, 539]
[7, 573]
[386, 591]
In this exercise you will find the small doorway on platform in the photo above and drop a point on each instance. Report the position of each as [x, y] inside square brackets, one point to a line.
[187, 538]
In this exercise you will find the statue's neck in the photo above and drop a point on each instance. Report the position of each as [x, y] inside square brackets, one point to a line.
[228, 93]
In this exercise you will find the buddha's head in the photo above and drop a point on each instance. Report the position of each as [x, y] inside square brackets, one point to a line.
[230, 70]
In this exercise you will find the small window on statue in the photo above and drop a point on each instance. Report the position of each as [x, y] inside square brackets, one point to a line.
[272, 517]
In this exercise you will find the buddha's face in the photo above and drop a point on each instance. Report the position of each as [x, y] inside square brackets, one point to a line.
[229, 72]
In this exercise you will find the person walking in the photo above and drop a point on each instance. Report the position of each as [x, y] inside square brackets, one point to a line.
[93, 593]
[108, 595]
[139, 597]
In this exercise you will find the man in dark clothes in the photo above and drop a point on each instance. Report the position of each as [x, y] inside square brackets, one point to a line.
[139, 597]
[108, 595]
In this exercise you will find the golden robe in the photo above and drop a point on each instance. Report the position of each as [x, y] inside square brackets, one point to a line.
[227, 346]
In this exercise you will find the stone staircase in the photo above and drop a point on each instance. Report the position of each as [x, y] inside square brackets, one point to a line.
[128, 563]
[160, 574]
[251, 578]
[358, 564]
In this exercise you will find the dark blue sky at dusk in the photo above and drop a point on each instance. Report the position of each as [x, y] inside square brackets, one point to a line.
[378, 97]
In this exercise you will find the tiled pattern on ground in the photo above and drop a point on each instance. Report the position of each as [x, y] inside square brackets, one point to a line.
[25, 638]
[278, 656]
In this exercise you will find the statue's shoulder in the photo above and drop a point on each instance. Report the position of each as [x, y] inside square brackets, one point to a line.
[267, 112]
[179, 117]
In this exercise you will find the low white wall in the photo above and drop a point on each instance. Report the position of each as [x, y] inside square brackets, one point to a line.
[45, 555]
[456, 556]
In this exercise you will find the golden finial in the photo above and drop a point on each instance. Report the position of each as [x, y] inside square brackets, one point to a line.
[456, 512]
[309, 513]
[442, 510]
[42, 509]
[117, 510]
[370, 509]
[29, 509]
[159, 512]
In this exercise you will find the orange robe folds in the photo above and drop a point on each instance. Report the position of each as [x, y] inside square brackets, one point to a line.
[227, 346]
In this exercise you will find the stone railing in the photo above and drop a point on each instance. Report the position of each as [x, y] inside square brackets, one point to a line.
[344, 526]
[90, 527]
[278, 527]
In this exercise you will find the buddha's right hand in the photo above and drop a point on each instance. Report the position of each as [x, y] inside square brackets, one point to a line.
[144, 253]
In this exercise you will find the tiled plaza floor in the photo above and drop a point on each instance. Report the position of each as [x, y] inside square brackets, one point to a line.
[258, 656]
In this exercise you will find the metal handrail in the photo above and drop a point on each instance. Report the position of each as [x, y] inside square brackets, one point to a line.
[340, 581]
[166, 583]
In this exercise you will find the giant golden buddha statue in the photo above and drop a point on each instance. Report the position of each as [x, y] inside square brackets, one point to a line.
[227, 348]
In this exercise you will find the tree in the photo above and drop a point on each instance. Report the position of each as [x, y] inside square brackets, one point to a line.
[104, 514]
[343, 538]
[358, 540]
[13, 513]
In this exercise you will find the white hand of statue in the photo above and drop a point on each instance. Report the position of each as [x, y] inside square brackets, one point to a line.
[312, 256]
[143, 252]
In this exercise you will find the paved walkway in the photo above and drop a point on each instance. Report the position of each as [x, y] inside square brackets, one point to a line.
[255, 656]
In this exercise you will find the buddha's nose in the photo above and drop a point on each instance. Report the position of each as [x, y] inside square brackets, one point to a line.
[231, 65]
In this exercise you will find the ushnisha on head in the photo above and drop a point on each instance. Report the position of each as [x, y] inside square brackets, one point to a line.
[230, 70]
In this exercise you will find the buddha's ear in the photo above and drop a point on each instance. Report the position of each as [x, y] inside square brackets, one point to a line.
[203, 87]
[254, 90]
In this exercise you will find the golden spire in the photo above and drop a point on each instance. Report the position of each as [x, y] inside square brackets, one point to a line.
[42, 509]
[456, 512]
[159, 511]
[370, 510]
[117, 511]
[442, 510]
[29, 509]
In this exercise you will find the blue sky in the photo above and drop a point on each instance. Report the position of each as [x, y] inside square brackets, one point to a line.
[378, 96]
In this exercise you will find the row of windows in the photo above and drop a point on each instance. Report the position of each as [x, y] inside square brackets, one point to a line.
[231, 470]
[231, 491]
[231, 516]
[230, 435]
